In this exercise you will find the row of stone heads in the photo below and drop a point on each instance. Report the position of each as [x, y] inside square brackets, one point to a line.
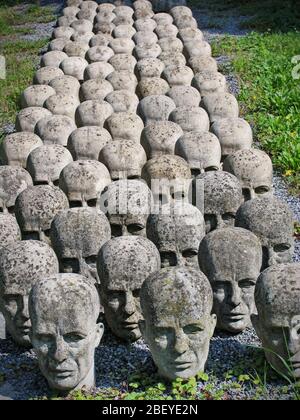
[175, 309]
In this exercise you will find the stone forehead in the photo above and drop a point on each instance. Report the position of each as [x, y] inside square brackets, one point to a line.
[123, 101]
[278, 290]
[147, 51]
[179, 11]
[164, 30]
[150, 67]
[123, 155]
[66, 85]
[166, 167]
[100, 40]
[98, 70]
[93, 112]
[122, 79]
[122, 31]
[249, 163]
[48, 159]
[125, 122]
[137, 258]
[28, 117]
[19, 144]
[40, 204]
[24, 262]
[45, 74]
[123, 62]
[95, 89]
[199, 148]
[172, 59]
[185, 96]
[176, 224]
[13, 180]
[142, 37]
[267, 217]
[160, 136]
[178, 75]
[229, 249]
[9, 230]
[176, 291]
[163, 18]
[152, 86]
[222, 191]
[136, 193]
[63, 291]
[190, 34]
[51, 129]
[199, 64]
[232, 127]
[191, 118]
[80, 229]
[170, 44]
[122, 45]
[145, 24]
[84, 171]
[156, 107]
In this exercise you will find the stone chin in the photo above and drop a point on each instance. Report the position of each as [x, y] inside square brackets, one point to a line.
[23, 339]
[127, 334]
[234, 326]
[184, 372]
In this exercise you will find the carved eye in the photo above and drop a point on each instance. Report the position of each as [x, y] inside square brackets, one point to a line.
[11, 209]
[47, 233]
[135, 227]
[189, 253]
[262, 190]
[282, 248]
[116, 230]
[246, 194]
[91, 260]
[136, 293]
[74, 204]
[92, 202]
[211, 169]
[246, 284]
[168, 259]
[228, 217]
[70, 265]
[44, 338]
[73, 338]
[26, 236]
[192, 329]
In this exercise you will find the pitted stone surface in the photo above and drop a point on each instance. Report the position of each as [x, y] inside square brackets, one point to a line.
[55, 129]
[65, 307]
[220, 106]
[202, 151]
[99, 70]
[121, 283]
[22, 264]
[75, 67]
[77, 236]
[219, 196]
[83, 181]
[159, 138]
[125, 125]
[27, 118]
[201, 64]
[150, 67]
[66, 85]
[177, 232]
[208, 83]
[53, 58]
[127, 204]
[254, 170]
[272, 222]
[123, 63]
[191, 118]
[172, 59]
[36, 95]
[35, 209]
[95, 89]
[123, 158]
[61, 104]
[231, 259]
[185, 96]
[174, 301]
[85, 143]
[123, 101]
[93, 113]
[15, 148]
[45, 163]
[13, 180]
[45, 75]
[9, 230]
[277, 298]
[234, 134]
[156, 108]
[151, 86]
[123, 79]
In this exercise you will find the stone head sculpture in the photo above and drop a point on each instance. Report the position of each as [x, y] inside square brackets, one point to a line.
[234, 134]
[254, 170]
[120, 283]
[177, 232]
[9, 230]
[191, 118]
[124, 159]
[85, 143]
[178, 322]
[36, 207]
[21, 264]
[45, 164]
[218, 195]
[64, 309]
[77, 236]
[169, 178]
[202, 151]
[277, 298]
[125, 125]
[13, 181]
[15, 148]
[231, 259]
[156, 108]
[159, 138]
[83, 181]
[272, 222]
[127, 204]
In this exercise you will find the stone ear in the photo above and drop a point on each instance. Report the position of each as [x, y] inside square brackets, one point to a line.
[256, 324]
[142, 326]
[99, 333]
[213, 320]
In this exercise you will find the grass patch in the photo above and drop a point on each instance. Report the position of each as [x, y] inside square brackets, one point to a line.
[21, 60]
[262, 15]
[270, 96]
[13, 19]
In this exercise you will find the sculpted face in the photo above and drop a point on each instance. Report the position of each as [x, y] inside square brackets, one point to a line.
[77, 235]
[127, 204]
[277, 324]
[272, 222]
[64, 311]
[36, 207]
[21, 265]
[231, 259]
[13, 181]
[218, 195]
[177, 304]
[120, 283]
[254, 170]
[177, 232]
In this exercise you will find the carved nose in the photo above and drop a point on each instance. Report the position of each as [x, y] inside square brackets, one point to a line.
[124, 230]
[60, 353]
[25, 310]
[234, 297]
[129, 304]
[181, 344]
[271, 257]
[219, 222]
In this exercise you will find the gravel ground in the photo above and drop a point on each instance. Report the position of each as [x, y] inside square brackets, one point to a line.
[115, 361]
